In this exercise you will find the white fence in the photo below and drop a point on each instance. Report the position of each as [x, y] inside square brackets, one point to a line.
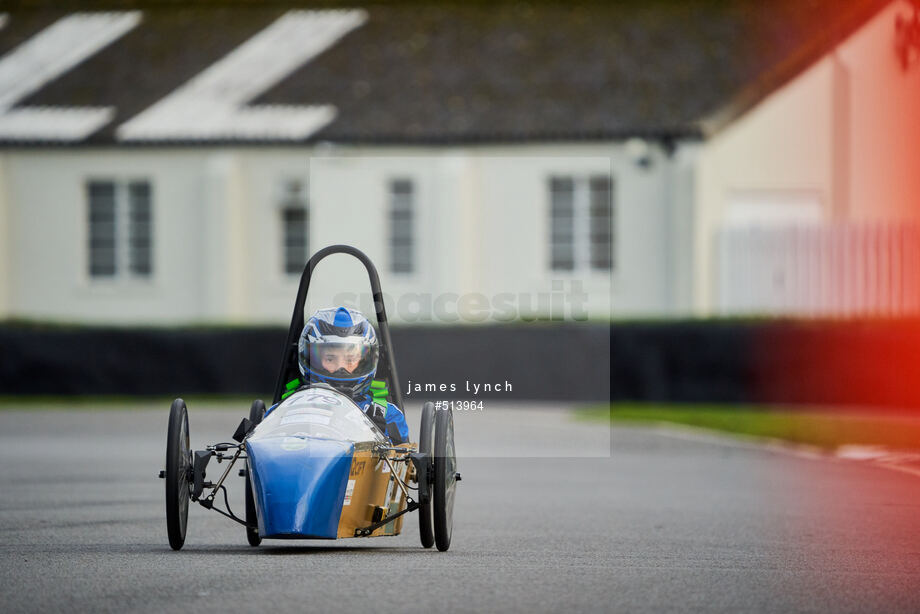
[828, 270]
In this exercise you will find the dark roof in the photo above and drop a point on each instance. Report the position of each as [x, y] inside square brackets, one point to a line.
[415, 73]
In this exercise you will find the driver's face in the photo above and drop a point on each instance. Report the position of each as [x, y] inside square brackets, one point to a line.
[340, 358]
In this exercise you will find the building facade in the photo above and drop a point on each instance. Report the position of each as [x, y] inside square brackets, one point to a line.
[222, 234]
[488, 182]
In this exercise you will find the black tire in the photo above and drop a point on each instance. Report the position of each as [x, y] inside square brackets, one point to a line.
[178, 468]
[425, 437]
[256, 413]
[445, 477]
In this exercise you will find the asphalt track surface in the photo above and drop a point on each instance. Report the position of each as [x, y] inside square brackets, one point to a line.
[550, 517]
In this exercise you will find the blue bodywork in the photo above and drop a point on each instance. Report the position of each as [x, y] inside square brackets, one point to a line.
[299, 485]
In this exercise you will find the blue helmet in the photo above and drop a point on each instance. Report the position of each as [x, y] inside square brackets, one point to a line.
[339, 347]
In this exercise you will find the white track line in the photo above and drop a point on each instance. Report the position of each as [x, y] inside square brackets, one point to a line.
[748, 442]
[896, 467]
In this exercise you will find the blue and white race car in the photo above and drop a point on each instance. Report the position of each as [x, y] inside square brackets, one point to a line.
[316, 466]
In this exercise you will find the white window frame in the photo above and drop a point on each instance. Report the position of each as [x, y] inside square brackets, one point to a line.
[123, 270]
[581, 223]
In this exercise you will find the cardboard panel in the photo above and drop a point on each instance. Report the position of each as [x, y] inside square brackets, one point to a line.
[371, 484]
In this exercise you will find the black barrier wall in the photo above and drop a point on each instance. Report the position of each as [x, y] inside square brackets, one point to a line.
[865, 363]
[137, 361]
[517, 362]
[583, 362]
[692, 362]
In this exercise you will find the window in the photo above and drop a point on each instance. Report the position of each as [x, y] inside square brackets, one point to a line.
[140, 225]
[600, 222]
[295, 226]
[120, 229]
[562, 224]
[101, 229]
[581, 223]
[402, 195]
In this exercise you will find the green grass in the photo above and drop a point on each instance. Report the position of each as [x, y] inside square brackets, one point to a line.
[828, 429]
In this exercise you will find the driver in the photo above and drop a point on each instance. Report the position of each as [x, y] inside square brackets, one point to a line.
[339, 347]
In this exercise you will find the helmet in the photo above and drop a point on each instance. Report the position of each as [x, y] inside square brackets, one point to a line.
[339, 347]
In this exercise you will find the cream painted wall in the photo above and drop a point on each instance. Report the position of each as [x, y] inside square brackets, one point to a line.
[48, 278]
[481, 216]
[785, 143]
[846, 130]
[511, 236]
[224, 251]
[481, 227]
[348, 194]
[885, 126]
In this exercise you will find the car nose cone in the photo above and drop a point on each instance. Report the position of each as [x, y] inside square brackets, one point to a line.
[299, 485]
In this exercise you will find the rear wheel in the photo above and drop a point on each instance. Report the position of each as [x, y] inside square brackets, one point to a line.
[178, 467]
[256, 412]
[425, 437]
[445, 477]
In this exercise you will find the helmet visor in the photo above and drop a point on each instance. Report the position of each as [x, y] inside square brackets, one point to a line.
[345, 358]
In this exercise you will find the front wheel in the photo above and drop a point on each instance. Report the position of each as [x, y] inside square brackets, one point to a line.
[178, 467]
[256, 413]
[425, 436]
[445, 477]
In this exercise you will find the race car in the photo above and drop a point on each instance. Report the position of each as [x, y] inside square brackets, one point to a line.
[316, 466]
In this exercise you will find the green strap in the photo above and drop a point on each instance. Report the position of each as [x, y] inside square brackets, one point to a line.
[379, 393]
[291, 387]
